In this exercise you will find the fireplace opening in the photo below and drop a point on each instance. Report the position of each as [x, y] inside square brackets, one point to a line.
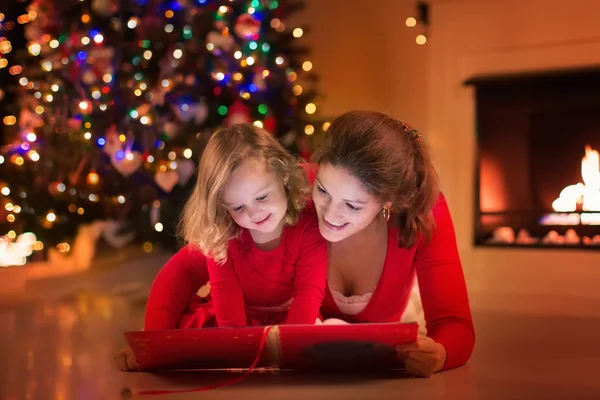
[537, 180]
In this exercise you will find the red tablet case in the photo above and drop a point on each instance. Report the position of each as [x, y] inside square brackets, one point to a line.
[296, 347]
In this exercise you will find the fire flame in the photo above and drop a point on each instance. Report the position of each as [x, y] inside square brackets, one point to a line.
[587, 193]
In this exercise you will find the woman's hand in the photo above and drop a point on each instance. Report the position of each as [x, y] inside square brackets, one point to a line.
[422, 358]
[125, 360]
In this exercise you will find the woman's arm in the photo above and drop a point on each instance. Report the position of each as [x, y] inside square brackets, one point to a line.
[443, 290]
[176, 282]
[310, 277]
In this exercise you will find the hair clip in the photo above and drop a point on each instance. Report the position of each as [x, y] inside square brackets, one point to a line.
[412, 133]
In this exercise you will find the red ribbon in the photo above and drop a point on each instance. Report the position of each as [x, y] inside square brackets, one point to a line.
[261, 346]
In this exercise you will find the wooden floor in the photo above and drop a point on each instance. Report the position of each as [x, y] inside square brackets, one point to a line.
[56, 343]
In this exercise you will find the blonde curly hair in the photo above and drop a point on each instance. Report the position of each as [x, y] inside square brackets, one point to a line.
[206, 222]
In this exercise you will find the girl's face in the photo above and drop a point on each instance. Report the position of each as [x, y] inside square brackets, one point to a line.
[256, 199]
[343, 205]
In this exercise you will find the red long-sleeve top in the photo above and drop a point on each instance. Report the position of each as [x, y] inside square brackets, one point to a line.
[252, 286]
[441, 283]
[438, 268]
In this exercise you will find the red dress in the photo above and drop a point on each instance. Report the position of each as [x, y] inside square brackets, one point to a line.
[253, 287]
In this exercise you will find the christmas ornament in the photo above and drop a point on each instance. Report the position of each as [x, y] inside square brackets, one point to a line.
[220, 41]
[185, 170]
[170, 129]
[74, 124]
[166, 180]
[88, 77]
[28, 120]
[105, 7]
[247, 27]
[270, 124]
[190, 80]
[239, 113]
[197, 111]
[127, 163]
[93, 178]
[143, 109]
[259, 80]
[113, 144]
[56, 189]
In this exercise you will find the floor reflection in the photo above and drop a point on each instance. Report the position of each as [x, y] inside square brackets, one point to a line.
[61, 347]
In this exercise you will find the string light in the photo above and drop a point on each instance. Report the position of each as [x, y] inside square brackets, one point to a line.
[147, 247]
[35, 49]
[310, 108]
[411, 22]
[93, 178]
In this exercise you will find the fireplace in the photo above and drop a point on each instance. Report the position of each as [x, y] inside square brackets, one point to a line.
[537, 179]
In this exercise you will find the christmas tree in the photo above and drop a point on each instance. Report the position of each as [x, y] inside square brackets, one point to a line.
[114, 101]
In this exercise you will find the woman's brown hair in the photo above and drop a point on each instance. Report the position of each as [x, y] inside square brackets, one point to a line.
[205, 221]
[393, 163]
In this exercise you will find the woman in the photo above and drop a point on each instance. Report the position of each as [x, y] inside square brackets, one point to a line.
[379, 206]
[378, 202]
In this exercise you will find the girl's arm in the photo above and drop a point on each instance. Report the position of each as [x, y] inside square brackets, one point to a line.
[311, 275]
[227, 294]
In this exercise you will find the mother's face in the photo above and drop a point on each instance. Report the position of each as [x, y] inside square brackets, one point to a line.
[343, 205]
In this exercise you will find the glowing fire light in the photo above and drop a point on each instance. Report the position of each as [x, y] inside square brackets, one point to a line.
[587, 193]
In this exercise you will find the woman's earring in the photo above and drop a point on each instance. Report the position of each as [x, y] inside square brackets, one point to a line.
[386, 213]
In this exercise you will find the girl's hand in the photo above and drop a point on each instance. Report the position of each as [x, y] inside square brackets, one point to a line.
[125, 360]
[422, 358]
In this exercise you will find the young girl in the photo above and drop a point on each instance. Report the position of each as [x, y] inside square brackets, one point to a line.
[246, 225]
